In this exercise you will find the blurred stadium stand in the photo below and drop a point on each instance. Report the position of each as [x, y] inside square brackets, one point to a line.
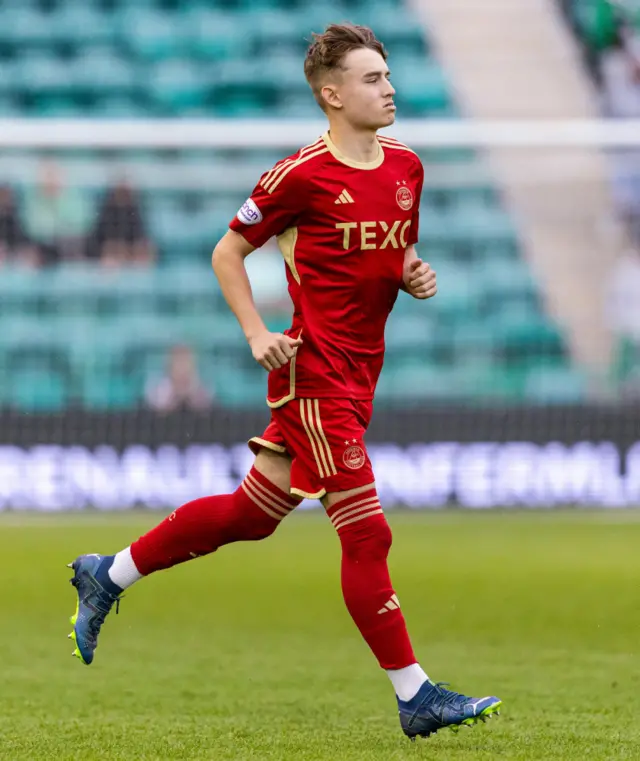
[77, 333]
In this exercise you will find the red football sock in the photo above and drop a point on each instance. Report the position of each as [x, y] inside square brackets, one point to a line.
[199, 527]
[366, 539]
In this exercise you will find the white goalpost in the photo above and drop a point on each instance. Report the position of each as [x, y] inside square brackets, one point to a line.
[216, 133]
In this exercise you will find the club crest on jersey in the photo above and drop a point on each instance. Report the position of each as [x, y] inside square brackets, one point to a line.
[249, 213]
[354, 457]
[404, 196]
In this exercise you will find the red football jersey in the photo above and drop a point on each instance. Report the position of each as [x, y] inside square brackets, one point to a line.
[342, 227]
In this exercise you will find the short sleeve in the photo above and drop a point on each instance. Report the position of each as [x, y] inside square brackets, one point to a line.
[275, 204]
[415, 219]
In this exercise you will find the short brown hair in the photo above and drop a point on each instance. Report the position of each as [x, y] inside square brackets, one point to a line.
[327, 51]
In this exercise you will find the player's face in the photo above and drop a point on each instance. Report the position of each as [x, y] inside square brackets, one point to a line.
[364, 92]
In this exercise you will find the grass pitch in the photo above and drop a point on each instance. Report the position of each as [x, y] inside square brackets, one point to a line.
[250, 654]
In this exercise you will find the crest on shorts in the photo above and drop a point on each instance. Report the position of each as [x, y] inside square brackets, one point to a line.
[354, 457]
[404, 196]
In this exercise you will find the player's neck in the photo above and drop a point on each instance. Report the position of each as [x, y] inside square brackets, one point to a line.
[361, 146]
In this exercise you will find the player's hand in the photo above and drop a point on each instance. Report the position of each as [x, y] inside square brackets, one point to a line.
[420, 279]
[274, 350]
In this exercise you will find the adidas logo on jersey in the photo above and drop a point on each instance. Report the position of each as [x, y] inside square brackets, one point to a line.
[344, 197]
[392, 604]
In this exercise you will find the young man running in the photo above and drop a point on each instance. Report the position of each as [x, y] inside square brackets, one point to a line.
[344, 210]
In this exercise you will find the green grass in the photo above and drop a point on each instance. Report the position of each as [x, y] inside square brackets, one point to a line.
[249, 654]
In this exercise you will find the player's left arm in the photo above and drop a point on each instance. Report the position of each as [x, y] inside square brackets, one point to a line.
[418, 279]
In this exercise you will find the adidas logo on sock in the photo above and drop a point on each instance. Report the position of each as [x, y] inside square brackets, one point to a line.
[393, 604]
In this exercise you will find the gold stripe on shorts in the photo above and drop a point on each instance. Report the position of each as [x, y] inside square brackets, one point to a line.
[310, 436]
[332, 466]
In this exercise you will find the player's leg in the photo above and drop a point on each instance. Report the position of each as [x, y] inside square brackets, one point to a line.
[200, 527]
[365, 536]
[197, 528]
[331, 462]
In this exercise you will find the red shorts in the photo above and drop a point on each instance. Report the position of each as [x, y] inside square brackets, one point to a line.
[324, 438]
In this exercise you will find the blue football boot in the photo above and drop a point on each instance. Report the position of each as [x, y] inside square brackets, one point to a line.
[96, 596]
[434, 708]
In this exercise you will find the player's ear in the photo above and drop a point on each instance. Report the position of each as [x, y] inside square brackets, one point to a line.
[331, 97]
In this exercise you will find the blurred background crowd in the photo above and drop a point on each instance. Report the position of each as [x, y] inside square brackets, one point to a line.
[107, 300]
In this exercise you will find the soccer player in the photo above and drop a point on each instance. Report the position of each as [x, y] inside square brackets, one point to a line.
[344, 210]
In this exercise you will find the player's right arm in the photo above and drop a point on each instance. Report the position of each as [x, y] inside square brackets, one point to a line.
[271, 350]
[274, 206]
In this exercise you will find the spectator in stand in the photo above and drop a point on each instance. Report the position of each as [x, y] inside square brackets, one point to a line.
[119, 237]
[610, 32]
[181, 387]
[14, 245]
[56, 216]
[623, 312]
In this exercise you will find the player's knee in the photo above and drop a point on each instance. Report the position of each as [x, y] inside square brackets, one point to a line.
[246, 523]
[370, 538]
[381, 536]
[275, 467]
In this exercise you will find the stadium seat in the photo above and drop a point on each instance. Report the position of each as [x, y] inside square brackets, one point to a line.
[177, 230]
[458, 300]
[105, 71]
[529, 343]
[406, 334]
[150, 34]
[555, 385]
[177, 85]
[118, 106]
[8, 72]
[80, 25]
[507, 287]
[421, 87]
[104, 390]
[35, 389]
[40, 74]
[239, 389]
[82, 289]
[394, 22]
[214, 36]
[9, 107]
[418, 381]
[21, 27]
[279, 29]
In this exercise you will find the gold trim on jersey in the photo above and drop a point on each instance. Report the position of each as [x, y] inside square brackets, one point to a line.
[306, 494]
[266, 444]
[270, 175]
[277, 179]
[292, 384]
[391, 142]
[287, 245]
[337, 154]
